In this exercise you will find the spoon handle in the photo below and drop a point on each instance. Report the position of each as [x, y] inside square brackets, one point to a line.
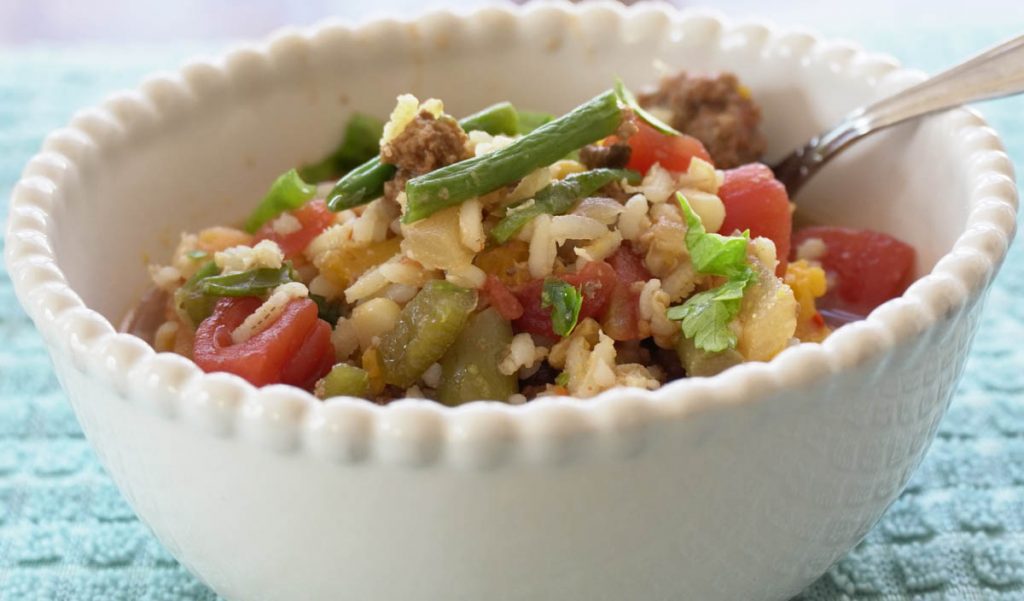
[996, 72]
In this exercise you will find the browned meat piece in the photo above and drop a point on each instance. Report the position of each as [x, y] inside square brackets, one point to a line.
[426, 144]
[614, 156]
[715, 109]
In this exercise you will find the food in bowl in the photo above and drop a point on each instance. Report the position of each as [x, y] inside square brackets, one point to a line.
[510, 255]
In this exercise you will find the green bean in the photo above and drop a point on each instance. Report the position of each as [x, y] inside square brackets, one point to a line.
[557, 198]
[360, 143]
[426, 327]
[469, 370]
[286, 193]
[698, 362]
[501, 118]
[366, 182]
[449, 186]
[529, 120]
[344, 380]
[189, 298]
[255, 282]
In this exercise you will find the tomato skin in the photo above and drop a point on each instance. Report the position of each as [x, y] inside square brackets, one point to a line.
[314, 216]
[278, 354]
[621, 318]
[502, 299]
[754, 200]
[649, 146]
[868, 268]
[596, 281]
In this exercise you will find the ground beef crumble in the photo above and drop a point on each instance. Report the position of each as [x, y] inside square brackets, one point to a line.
[715, 109]
[427, 143]
[613, 156]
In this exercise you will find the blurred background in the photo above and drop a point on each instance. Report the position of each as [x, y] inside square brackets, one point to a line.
[33, 22]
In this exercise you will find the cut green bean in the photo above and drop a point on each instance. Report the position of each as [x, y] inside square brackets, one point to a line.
[344, 380]
[501, 118]
[366, 182]
[255, 282]
[469, 370]
[451, 185]
[529, 120]
[286, 193]
[557, 198]
[627, 98]
[427, 326]
[360, 143]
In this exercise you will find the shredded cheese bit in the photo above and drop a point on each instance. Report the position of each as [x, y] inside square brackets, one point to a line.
[269, 311]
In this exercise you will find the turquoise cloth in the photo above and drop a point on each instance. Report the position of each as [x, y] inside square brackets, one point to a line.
[957, 533]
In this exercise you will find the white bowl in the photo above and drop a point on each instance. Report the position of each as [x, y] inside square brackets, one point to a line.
[747, 485]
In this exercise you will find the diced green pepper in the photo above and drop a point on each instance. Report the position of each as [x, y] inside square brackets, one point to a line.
[426, 327]
[469, 370]
[344, 380]
[288, 192]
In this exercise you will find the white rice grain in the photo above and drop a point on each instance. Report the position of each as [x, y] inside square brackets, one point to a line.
[471, 225]
[400, 293]
[165, 337]
[708, 207]
[373, 224]
[432, 376]
[368, 284]
[542, 248]
[344, 339]
[598, 250]
[265, 254]
[165, 277]
[521, 353]
[811, 249]
[701, 175]
[269, 311]
[633, 220]
[286, 224]
[576, 227]
[467, 276]
[324, 287]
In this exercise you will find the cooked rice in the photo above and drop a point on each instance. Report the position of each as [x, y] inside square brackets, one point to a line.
[265, 254]
[374, 318]
[432, 376]
[344, 339]
[471, 225]
[368, 284]
[522, 353]
[633, 221]
[708, 207]
[467, 276]
[269, 311]
[542, 248]
[811, 249]
[575, 227]
[166, 278]
[165, 337]
[598, 250]
[285, 224]
[324, 287]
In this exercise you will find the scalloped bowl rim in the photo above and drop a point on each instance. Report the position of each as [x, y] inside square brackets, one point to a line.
[291, 413]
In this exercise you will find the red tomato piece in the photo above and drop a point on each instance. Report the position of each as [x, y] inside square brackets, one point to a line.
[595, 281]
[278, 354]
[314, 217]
[649, 146]
[621, 318]
[754, 200]
[867, 268]
[502, 299]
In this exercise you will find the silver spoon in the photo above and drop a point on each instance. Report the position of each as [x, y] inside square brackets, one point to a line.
[996, 72]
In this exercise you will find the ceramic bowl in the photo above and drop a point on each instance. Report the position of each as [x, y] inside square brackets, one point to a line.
[747, 485]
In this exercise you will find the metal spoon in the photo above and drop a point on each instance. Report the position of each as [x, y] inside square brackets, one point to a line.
[994, 73]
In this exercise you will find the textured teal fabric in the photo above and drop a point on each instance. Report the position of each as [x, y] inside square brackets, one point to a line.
[957, 533]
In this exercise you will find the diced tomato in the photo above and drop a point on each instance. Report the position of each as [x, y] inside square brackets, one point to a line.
[502, 299]
[621, 318]
[754, 200]
[295, 349]
[314, 217]
[866, 268]
[649, 146]
[595, 281]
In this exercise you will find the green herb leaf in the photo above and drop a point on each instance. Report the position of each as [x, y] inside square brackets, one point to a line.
[360, 143]
[562, 379]
[286, 193]
[328, 310]
[565, 302]
[706, 316]
[627, 98]
[713, 254]
[255, 282]
[189, 298]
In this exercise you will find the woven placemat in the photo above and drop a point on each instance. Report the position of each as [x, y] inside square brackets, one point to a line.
[957, 533]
